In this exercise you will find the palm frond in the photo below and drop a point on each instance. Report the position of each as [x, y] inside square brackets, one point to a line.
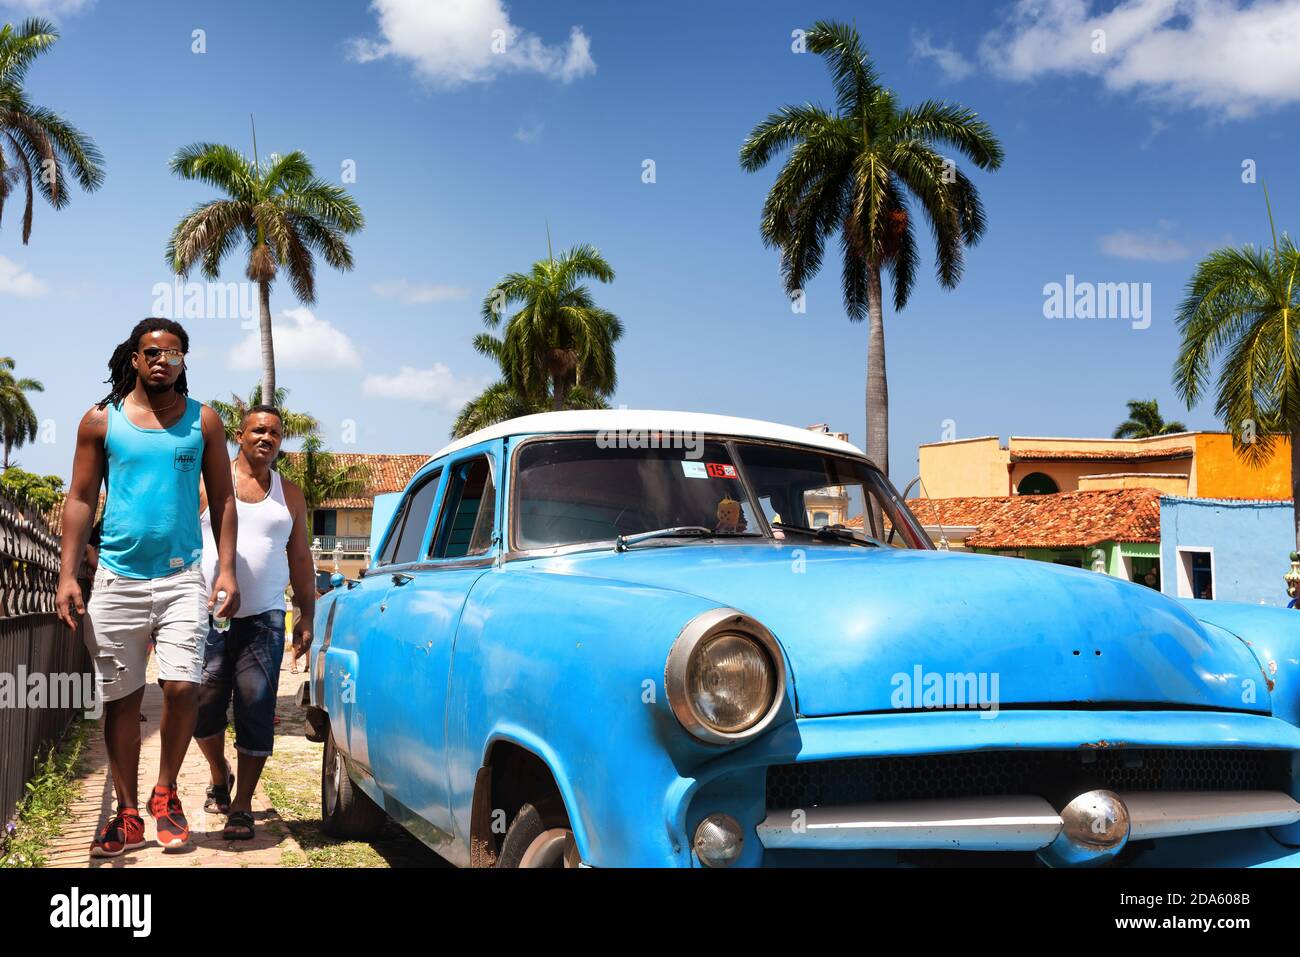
[220, 166]
[855, 77]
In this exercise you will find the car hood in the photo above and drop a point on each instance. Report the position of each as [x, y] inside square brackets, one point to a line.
[873, 629]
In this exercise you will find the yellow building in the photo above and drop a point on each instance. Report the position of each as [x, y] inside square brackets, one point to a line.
[1191, 464]
[340, 533]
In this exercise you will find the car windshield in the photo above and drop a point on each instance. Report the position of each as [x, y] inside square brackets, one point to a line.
[570, 491]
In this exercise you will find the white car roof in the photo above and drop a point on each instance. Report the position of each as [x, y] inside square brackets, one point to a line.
[647, 420]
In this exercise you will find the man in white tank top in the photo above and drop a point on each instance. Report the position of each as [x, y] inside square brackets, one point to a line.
[243, 662]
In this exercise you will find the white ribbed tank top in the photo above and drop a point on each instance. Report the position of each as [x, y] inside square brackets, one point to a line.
[261, 562]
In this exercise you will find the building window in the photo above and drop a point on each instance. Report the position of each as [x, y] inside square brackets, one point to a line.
[1195, 573]
[1037, 483]
[820, 519]
[324, 521]
[1143, 571]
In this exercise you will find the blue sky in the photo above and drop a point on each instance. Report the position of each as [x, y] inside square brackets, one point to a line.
[1122, 166]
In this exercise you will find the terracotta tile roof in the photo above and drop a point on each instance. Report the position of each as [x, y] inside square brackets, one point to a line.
[388, 473]
[1065, 520]
[1101, 455]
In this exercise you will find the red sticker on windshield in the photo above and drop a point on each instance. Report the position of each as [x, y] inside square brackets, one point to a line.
[720, 470]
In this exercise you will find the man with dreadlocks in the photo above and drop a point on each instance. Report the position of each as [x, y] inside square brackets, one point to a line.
[150, 441]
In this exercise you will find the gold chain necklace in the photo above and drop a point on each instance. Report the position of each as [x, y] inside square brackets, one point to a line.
[167, 408]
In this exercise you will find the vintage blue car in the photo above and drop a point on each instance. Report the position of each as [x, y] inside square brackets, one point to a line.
[632, 638]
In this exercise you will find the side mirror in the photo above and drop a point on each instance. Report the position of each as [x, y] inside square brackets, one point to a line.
[336, 580]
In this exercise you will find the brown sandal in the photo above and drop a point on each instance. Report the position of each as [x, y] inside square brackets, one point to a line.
[239, 827]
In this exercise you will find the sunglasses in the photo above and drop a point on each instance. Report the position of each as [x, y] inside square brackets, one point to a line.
[173, 356]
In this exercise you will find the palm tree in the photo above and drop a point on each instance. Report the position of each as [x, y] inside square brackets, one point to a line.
[858, 171]
[281, 211]
[321, 476]
[296, 424]
[1145, 421]
[18, 422]
[559, 339]
[1241, 307]
[37, 145]
[499, 401]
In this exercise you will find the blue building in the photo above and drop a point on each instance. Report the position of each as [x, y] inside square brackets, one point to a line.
[1229, 549]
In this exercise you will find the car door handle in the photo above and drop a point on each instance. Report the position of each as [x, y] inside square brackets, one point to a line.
[401, 578]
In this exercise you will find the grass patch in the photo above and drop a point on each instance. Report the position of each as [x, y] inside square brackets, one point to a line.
[291, 780]
[295, 792]
[43, 810]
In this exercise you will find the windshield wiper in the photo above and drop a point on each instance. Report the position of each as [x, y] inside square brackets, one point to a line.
[623, 542]
[829, 533]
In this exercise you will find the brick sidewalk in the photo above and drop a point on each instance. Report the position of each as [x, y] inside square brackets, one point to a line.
[206, 848]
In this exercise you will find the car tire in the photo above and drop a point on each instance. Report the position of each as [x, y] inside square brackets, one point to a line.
[346, 811]
[539, 838]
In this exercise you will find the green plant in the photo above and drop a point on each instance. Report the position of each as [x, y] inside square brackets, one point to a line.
[296, 424]
[1145, 421]
[321, 476]
[45, 806]
[559, 339]
[42, 491]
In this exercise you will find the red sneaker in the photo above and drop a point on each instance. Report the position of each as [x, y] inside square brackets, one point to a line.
[165, 808]
[123, 832]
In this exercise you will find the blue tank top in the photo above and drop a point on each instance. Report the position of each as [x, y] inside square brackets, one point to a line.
[151, 516]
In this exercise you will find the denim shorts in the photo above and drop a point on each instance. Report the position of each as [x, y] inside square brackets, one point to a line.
[244, 664]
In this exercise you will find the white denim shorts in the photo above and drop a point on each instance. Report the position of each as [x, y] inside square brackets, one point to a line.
[125, 614]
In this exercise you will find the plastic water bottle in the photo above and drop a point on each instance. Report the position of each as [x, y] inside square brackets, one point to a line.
[221, 624]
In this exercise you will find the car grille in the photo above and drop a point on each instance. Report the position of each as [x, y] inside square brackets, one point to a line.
[1047, 773]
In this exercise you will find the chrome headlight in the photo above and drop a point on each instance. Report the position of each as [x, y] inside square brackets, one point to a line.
[725, 677]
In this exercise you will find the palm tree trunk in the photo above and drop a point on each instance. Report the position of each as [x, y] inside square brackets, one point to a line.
[268, 346]
[8, 444]
[877, 386]
[558, 395]
[1295, 485]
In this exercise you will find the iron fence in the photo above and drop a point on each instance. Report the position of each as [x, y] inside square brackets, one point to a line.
[33, 642]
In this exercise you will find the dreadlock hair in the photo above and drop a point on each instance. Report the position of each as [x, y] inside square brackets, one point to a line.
[121, 375]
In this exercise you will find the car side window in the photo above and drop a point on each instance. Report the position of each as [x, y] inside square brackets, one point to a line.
[465, 527]
[412, 519]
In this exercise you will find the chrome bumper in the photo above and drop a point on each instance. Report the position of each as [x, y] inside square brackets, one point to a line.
[1013, 823]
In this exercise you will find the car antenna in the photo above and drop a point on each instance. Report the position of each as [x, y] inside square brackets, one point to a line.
[943, 543]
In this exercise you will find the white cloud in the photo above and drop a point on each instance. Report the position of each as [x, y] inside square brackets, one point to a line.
[437, 385]
[1147, 247]
[530, 133]
[952, 64]
[454, 42]
[301, 342]
[1156, 127]
[17, 281]
[418, 293]
[46, 8]
[1223, 56]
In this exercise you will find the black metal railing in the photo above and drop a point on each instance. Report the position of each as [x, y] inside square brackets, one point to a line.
[33, 642]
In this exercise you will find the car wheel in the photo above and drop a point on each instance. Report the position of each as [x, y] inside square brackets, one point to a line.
[346, 811]
[538, 839]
